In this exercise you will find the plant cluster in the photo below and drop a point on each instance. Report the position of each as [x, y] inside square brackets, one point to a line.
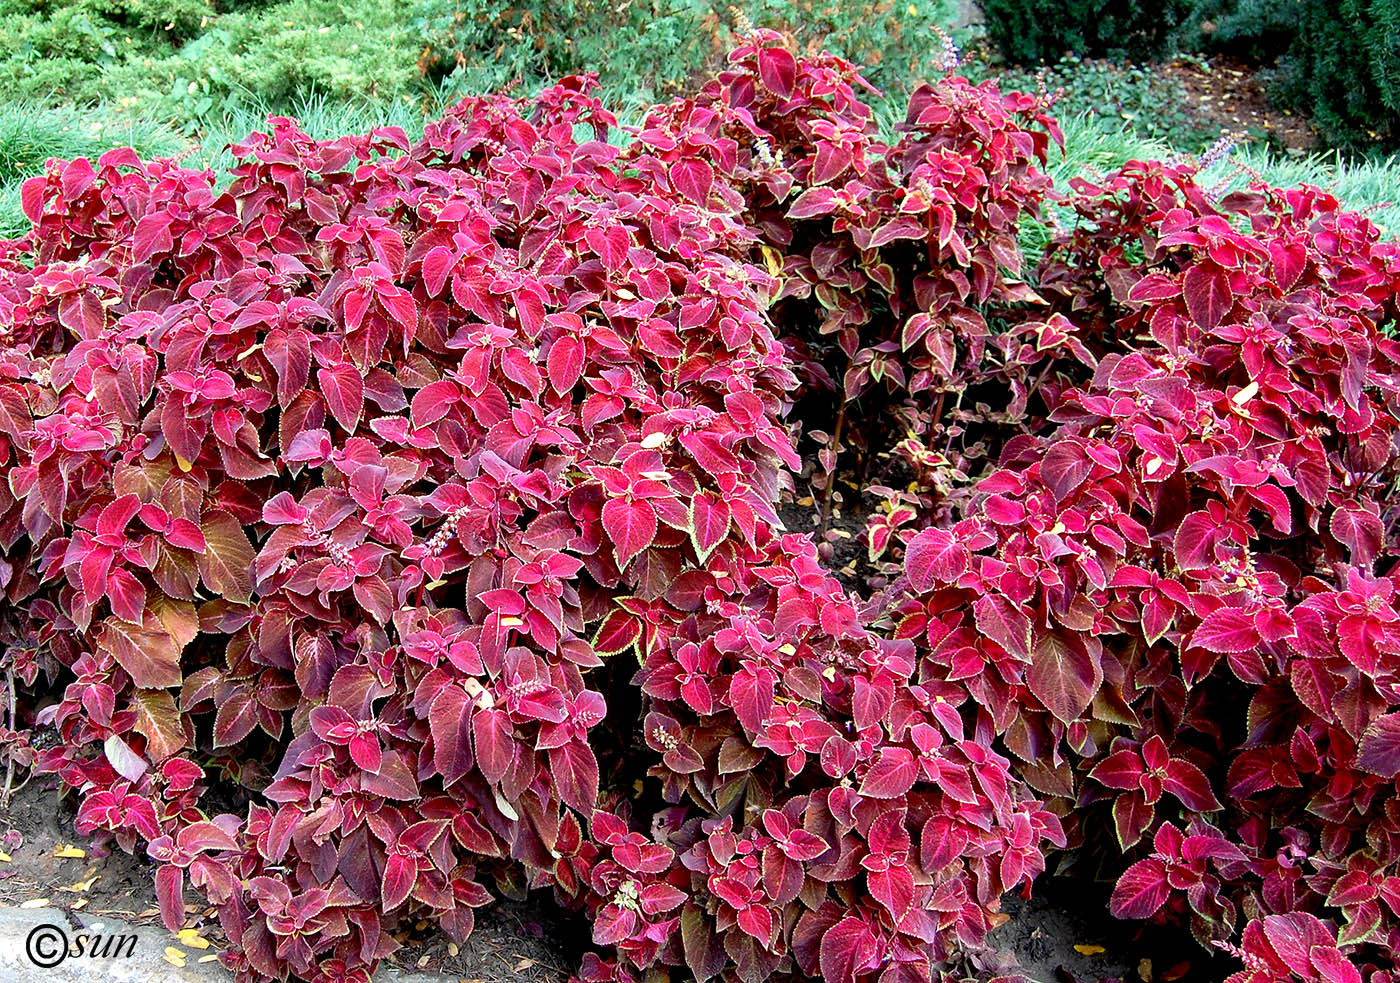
[444, 477]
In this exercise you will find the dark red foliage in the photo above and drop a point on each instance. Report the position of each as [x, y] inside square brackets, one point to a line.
[380, 464]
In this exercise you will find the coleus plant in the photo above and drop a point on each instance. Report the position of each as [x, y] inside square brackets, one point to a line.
[380, 462]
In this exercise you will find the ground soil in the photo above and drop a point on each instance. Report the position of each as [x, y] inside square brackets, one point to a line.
[1064, 934]
[1230, 95]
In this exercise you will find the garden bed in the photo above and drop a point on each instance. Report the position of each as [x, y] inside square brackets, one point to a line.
[400, 526]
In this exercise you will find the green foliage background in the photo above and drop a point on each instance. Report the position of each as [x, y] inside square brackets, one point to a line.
[1337, 61]
[188, 76]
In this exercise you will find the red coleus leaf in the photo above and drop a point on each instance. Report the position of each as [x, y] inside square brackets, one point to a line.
[1206, 289]
[400, 876]
[1121, 769]
[565, 364]
[757, 921]
[1064, 675]
[1066, 466]
[891, 775]
[226, 564]
[575, 771]
[934, 556]
[170, 894]
[493, 739]
[618, 632]
[1189, 784]
[631, 525]
[127, 596]
[709, 522]
[1227, 630]
[433, 402]
[1141, 890]
[344, 390]
[778, 69]
[1379, 751]
[847, 949]
[149, 654]
[1006, 623]
[693, 178]
[450, 722]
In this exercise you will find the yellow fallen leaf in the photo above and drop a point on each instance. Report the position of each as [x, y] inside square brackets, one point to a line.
[192, 938]
[67, 851]
[177, 961]
[175, 953]
[5, 858]
[209, 958]
[82, 887]
[35, 903]
[80, 903]
[1090, 950]
[1245, 394]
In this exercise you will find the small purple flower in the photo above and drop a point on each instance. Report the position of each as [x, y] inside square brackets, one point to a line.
[1218, 151]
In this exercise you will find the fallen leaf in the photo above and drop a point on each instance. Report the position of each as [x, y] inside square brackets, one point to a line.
[66, 851]
[176, 961]
[35, 903]
[209, 958]
[82, 887]
[174, 953]
[192, 938]
[80, 903]
[5, 858]
[1090, 950]
[453, 948]
[523, 965]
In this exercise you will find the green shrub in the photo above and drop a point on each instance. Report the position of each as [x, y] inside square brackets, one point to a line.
[184, 59]
[1338, 61]
[1032, 31]
[660, 46]
[1343, 69]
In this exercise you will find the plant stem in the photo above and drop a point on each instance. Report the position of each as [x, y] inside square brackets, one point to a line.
[831, 474]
